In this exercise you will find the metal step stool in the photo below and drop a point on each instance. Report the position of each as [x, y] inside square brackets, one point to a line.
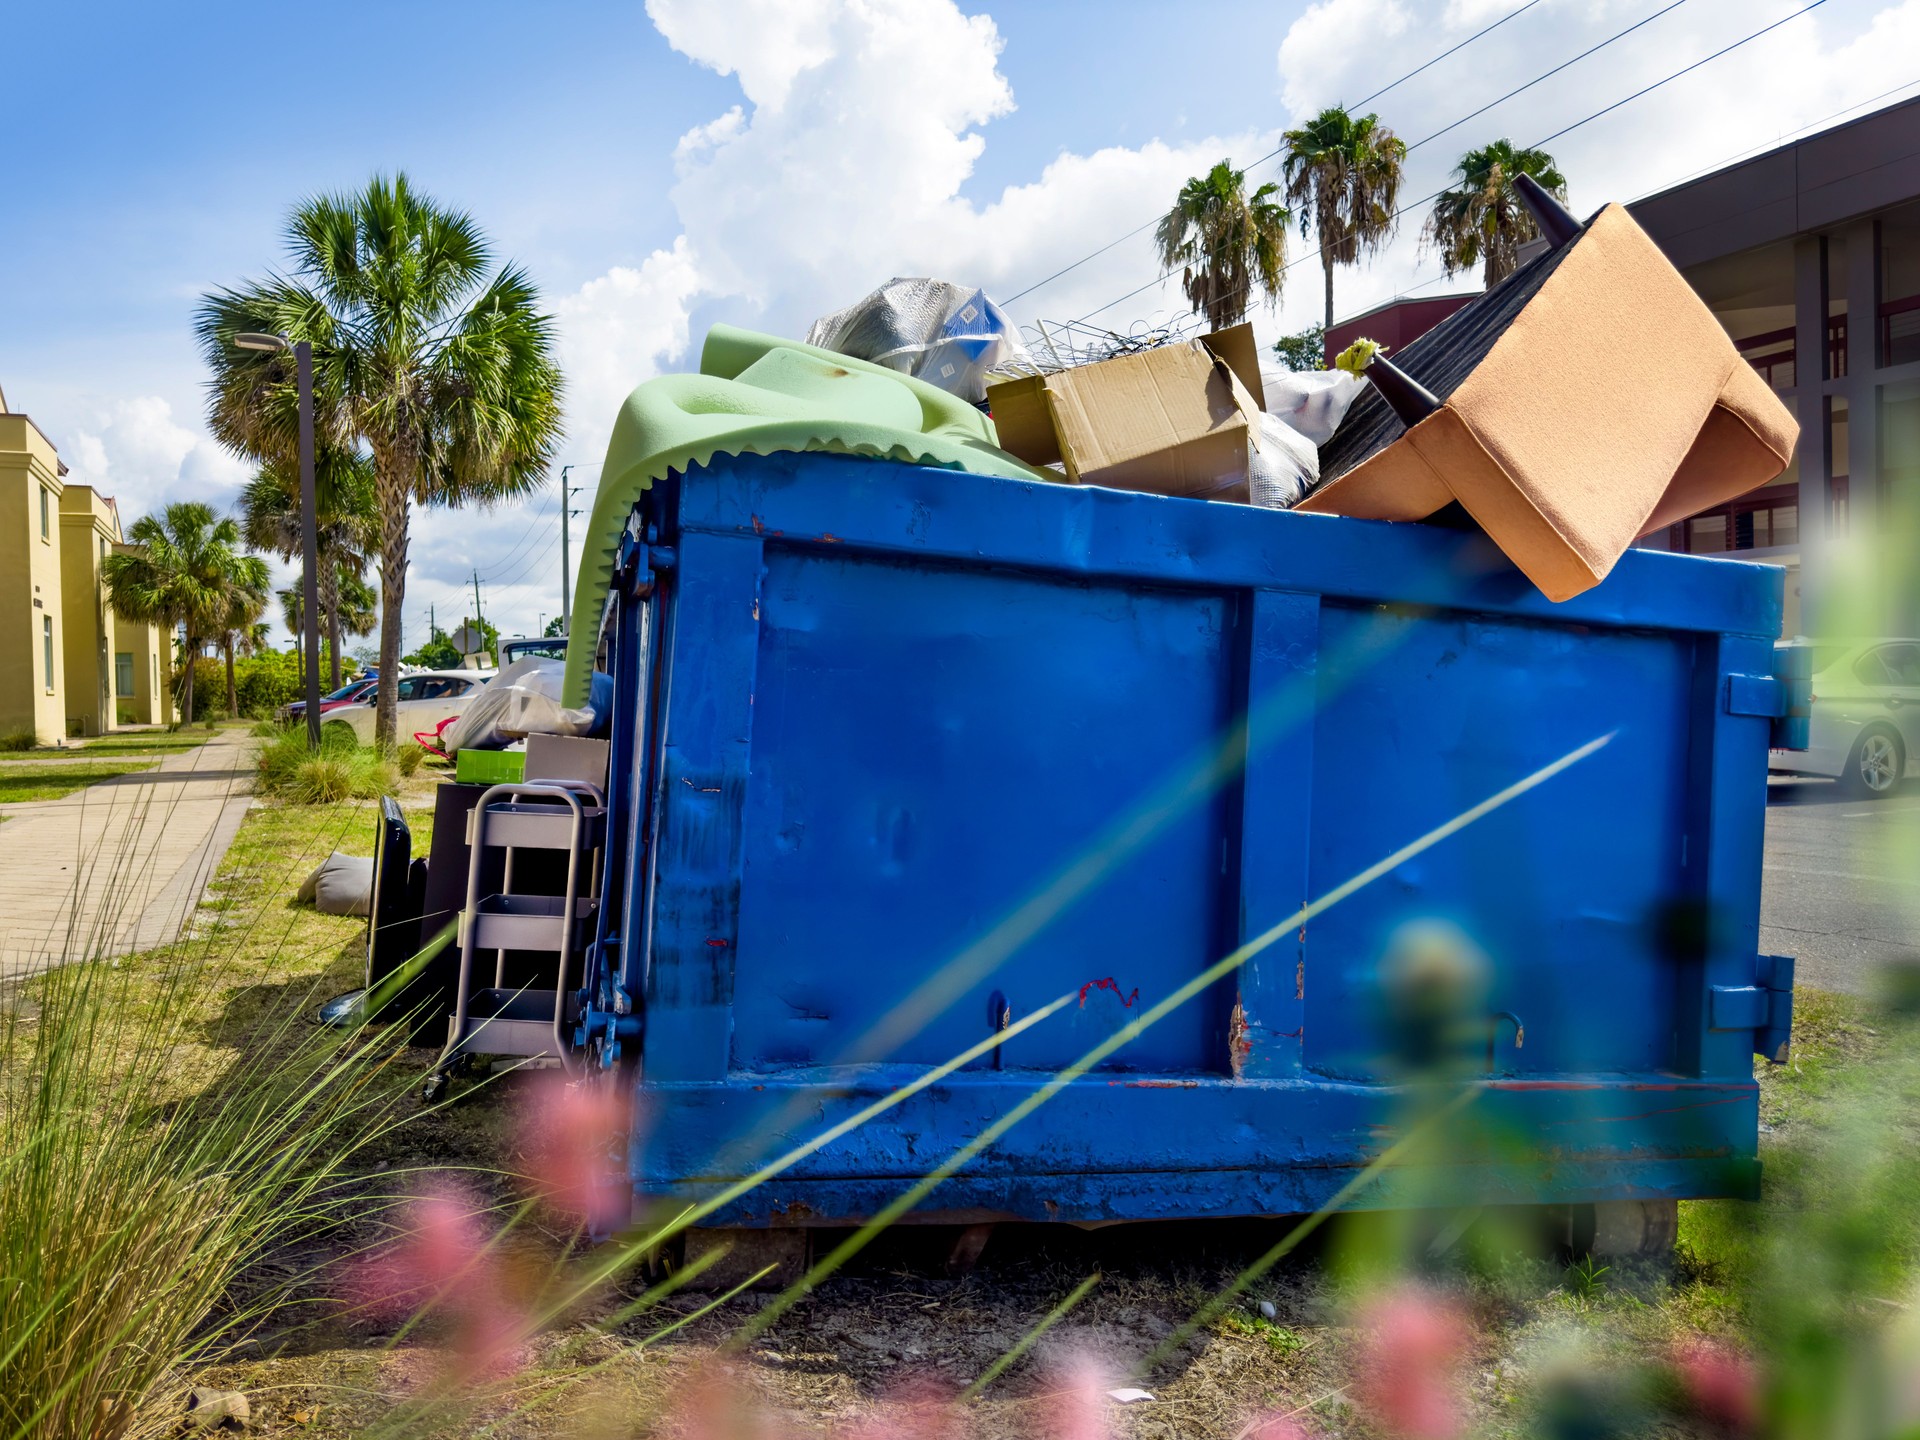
[564, 815]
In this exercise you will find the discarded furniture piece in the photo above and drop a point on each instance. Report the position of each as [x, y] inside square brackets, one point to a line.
[1586, 400]
[527, 1020]
[928, 788]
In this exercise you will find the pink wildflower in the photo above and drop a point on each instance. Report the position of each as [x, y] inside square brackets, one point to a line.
[1413, 1347]
[576, 1138]
[1721, 1385]
[442, 1270]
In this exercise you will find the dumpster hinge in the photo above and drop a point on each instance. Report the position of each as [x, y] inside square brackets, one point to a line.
[1786, 699]
[1765, 1007]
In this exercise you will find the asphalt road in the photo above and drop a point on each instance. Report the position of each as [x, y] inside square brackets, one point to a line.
[1842, 886]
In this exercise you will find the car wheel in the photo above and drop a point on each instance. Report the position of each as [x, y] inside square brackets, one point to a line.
[1876, 765]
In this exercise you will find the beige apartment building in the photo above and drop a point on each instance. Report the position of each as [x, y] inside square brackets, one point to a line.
[68, 665]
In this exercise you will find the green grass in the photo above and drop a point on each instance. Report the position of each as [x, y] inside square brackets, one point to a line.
[148, 742]
[39, 781]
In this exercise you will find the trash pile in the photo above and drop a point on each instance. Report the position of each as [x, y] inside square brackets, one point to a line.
[1588, 399]
[944, 334]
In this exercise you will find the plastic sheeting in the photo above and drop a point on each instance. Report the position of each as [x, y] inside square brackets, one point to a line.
[933, 330]
[523, 699]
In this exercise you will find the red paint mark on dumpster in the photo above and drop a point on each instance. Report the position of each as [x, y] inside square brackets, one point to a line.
[716, 942]
[828, 538]
[1126, 1001]
[1161, 1084]
[758, 527]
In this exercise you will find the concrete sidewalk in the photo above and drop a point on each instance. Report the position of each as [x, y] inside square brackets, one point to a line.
[120, 865]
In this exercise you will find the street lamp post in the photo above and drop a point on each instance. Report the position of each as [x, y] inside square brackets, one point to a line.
[309, 522]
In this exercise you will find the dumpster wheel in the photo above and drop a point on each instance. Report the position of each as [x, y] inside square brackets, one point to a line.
[1622, 1228]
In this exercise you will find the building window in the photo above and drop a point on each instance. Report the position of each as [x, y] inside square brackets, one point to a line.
[46, 514]
[1765, 520]
[46, 640]
[123, 674]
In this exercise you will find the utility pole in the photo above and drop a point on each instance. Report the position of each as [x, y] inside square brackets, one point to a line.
[566, 553]
[432, 629]
[476, 600]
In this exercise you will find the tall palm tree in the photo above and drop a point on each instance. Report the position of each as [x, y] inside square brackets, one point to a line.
[1223, 240]
[246, 603]
[1480, 220]
[1344, 174]
[355, 609]
[348, 526]
[436, 365]
[182, 567]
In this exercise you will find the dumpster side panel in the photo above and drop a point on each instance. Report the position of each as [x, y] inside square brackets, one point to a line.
[930, 744]
[1558, 897]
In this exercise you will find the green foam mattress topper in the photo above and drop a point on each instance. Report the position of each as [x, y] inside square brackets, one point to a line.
[762, 395]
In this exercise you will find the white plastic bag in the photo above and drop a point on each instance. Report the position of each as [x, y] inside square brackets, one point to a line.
[1282, 465]
[933, 330]
[1312, 402]
[523, 699]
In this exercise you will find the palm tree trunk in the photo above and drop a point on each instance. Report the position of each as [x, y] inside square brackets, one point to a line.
[330, 598]
[186, 684]
[393, 587]
[1326, 264]
[233, 697]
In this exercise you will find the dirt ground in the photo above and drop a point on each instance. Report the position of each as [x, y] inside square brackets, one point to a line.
[895, 1325]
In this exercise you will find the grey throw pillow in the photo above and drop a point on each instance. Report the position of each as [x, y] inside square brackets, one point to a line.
[342, 885]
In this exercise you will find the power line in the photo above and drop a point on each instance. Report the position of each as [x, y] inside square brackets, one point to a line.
[1784, 139]
[1678, 73]
[1565, 130]
[528, 537]
[1355, 105]
[1443, 55]
[1547, 75]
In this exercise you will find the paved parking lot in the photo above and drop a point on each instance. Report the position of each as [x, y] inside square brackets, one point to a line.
[1842, 889]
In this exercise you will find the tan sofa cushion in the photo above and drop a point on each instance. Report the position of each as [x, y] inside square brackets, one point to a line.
[1612, 404]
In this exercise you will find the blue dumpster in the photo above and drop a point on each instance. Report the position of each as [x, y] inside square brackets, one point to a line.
[913, 765]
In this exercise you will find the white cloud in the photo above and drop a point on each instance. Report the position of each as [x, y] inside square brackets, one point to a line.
[1796, 76]
[845, 167]
[134, 450]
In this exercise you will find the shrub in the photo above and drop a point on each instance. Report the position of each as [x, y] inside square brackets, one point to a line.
[21, 739]
[410, 757]
[340, 771]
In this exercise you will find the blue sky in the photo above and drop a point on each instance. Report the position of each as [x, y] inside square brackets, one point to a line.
[596, 144]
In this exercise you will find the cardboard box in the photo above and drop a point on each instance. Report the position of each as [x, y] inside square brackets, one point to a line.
[1176, 420]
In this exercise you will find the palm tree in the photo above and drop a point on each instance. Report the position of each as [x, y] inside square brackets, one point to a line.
[1222, 240]
[1345, 174]
[182, 567]
[246, 603]
[1480, 219]
[348, 527]
[441, 371]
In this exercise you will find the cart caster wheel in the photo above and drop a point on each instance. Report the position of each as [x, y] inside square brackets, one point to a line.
[434, 1088]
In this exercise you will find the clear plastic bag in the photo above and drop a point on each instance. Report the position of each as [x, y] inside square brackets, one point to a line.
[936, 331]
[1312, 402]
[1282, 465]
[523, 699]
